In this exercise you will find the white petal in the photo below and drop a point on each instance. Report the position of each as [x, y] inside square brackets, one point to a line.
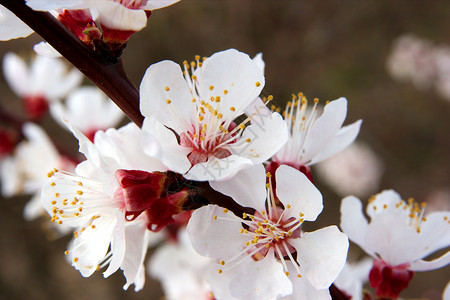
[235, 72]
[10, 176]
[161, 143]
[422, 265]
[259, 61]
[56, 4]
[264, 279]
[322, 255]
[325, 128]
[354, 223]
[345, 136]
[218, 169]
[124, 146]
[136, 238]
[33, 209]
[219, 239]
[117, 246]
[384, 202]
[11, 27]
[91, 246]
[156, 4]
[267, 134]
[303, 288]
[176, 114]
[434, 233]
[16, 74]
[116, 16]
[45, 49]
[247, 188]
[392, 239]
[294, 189]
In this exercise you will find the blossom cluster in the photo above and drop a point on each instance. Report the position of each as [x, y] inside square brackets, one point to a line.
[216, 178]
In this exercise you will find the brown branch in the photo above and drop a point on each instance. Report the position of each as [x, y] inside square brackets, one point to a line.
[107, 73]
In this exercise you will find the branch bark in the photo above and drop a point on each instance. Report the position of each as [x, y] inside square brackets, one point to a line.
[107, 74]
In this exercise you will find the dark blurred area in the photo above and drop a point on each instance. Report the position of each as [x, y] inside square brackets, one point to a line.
[325, 49]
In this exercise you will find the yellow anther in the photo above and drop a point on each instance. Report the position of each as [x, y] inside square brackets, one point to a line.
[299, 276]
[52, 184]
[241, 126]
[385, 206]
[270, 98]
[193, 64]
[374, 207]
[268, 174]
[258, 84]
[225, 210]
[217, 98]
[197, 57]
[193, 100]
[244, 215]
[53, 202]
[219, 270]
[215, 217]
[66, 252]
[232, 108]
[316, 100]
[75, 259]
[268, 185]
[222, 262]
[211, 87]
[200, 118]
[57, 195]
[219, 116]
[248, 140]
[50, 174]
[60, 222]
[167, 88]
[288, 206]
[93, 226]
[79, 193]
[194, 77]
[287, 273]
[168, 101]
[225, 92]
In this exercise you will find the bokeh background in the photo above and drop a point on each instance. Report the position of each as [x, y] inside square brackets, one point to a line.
[325, 49]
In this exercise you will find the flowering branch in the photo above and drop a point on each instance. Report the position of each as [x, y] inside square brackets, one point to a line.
[105, 71]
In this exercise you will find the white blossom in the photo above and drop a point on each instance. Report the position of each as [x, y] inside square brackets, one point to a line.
[190, 120]
[254, 252]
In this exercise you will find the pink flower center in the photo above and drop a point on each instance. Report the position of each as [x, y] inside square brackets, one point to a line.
[203, 146]
[389, 280]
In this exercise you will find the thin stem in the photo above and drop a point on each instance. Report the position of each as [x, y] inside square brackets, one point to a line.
[107, 73]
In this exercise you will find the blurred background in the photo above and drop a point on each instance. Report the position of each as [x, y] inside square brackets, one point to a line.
[325, 49]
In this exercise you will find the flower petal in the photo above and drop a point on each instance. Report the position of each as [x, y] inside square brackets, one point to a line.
[216, 234]
[247, 188]
[136, 238]
[321, 254]
[157, 4]
[264, 128]
[422, 265]
[11, 27]
[263, 279]
[345, 136]
[16, 73]
[234, 72]
[114, 15]
[303, 288]
[325, 128]
[154, 95]
[294, 189]
[161, 143]
[218, 168]
[354, 223]
[434, 233]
